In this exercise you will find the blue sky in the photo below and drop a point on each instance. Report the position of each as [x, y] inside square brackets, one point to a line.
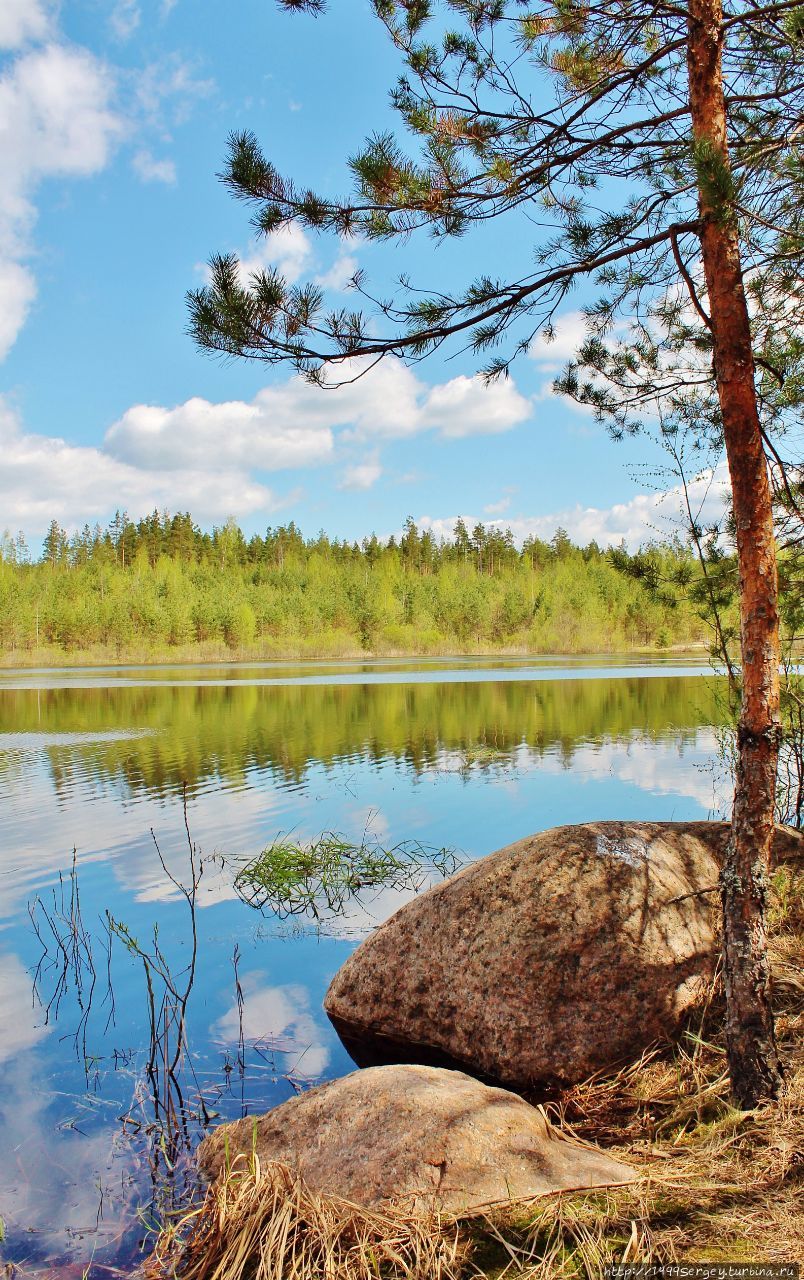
[113, 123]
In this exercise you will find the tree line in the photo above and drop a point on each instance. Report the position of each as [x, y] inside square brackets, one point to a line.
[162, 585]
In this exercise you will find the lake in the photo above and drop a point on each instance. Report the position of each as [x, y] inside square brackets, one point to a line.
[102, 774]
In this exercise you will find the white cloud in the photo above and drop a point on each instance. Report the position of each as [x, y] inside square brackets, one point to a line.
[467, 407]
[56, 119]
[214, 437]
[643, 517]
[44, 478]
[675, 767]
[293, 424]
[22, 20]
[66, 1165]
[385, 402]
[497, 508]
[362, 475]
[124, 19]
[207, 457]
[390, 401]
[281, 1016]
[340, 273]
[62, 111]
[166, 92]
[21, 1030]
[149, 169]
[569, 332]
[288, 250]
[18, 290]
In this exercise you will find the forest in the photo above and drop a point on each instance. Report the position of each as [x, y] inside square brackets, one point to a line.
[163, 588]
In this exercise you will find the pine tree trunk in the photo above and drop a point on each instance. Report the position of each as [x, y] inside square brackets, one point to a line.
[753, 1058]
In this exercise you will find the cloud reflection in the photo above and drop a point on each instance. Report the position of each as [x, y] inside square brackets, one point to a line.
[18, 1018]
[60, 1183]
[676, 766]
[282, 1017]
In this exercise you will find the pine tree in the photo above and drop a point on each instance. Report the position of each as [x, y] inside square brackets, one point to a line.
[55, 545]
[461, 535]
[688, 118]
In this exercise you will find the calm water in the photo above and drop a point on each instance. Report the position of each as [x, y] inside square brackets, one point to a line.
[470, 755]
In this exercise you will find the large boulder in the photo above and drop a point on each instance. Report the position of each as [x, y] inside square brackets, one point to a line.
[415, 1135]
[788, 844]
[545, 962]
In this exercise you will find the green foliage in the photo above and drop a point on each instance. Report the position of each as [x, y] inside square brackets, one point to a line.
[715, 179]
[162, 586]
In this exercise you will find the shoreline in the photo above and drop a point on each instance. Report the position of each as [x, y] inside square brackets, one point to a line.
[54, 659]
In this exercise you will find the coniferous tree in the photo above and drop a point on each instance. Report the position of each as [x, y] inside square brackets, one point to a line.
[688, 117]
[461, 535]
[55, 545]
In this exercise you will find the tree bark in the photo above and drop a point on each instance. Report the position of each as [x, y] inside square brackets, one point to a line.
[754, 1064]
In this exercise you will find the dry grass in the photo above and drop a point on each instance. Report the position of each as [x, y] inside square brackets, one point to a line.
[719, 1184]
[265, 1224]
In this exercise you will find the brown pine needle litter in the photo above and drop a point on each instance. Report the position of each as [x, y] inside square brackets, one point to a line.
[718, 1184]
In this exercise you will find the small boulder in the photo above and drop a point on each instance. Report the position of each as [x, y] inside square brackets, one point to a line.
[415, 1135]
[545, 962]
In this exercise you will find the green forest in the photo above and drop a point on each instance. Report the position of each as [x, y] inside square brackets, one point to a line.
[162, 588]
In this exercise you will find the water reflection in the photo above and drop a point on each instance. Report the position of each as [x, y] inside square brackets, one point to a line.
[470, 764]
[21, 1031]
[202, 735]
[64, 1186]
[364, 671]
[278, 1020]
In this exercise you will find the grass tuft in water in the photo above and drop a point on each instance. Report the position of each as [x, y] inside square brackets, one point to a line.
[324, 876]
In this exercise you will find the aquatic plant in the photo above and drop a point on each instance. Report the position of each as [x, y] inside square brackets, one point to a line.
[323, 876]
[170, 1105]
